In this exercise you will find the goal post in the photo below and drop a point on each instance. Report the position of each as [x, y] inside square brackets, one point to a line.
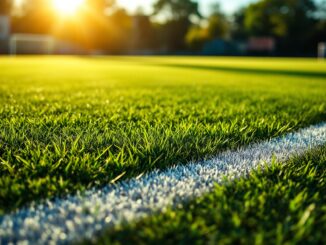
[31, 44]
[322, 50]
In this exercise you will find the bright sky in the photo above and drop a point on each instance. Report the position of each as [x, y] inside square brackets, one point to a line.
[228, 6]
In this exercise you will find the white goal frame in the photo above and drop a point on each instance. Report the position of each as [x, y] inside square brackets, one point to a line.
[31, 38]
[322, 50]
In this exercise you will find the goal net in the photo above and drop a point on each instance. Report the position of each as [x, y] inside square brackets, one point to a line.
[31, 44]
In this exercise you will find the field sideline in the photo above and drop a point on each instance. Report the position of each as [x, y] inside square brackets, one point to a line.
[63, 220]
[72, 123]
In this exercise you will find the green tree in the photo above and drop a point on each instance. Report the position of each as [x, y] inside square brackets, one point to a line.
[101, 26]
[217, 27]
[176, 9]
[290, 21]
[320, 31]
[196, 37]
[177, 14]
[36, 17]
[238, 30]
[5, 7]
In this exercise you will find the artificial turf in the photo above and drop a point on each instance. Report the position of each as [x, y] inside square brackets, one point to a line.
[281, 204]
[68, 123]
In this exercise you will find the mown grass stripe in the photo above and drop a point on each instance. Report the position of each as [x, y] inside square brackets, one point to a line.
[81, 216]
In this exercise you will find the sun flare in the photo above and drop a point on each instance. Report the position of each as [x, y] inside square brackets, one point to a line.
[67, 7]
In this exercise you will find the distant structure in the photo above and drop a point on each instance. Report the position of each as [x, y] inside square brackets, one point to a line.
[42, 45]
[4, 33]
[254, 46]
[31, 44]
[215, 47]
[321, 50]
[221, 47]
[4, 27]
[26, 43]
[261, 45]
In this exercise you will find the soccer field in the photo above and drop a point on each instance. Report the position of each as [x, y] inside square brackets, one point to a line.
[71, 124]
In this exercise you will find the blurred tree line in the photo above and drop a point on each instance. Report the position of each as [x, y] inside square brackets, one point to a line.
[175, 25]
[297, 25]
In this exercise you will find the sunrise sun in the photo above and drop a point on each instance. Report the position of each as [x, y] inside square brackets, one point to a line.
[67, 7]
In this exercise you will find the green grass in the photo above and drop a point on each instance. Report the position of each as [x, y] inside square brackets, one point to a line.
[283, 204]
[69, 123]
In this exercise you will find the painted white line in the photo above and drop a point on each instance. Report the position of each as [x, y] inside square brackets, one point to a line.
[82, 216]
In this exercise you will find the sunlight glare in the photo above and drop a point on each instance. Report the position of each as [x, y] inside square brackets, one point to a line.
[67, 7]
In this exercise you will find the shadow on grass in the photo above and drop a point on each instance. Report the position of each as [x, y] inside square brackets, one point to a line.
[267, 72]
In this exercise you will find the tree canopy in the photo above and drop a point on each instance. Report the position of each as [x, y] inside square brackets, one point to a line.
[279, 18]
[296, 25]
[292, 23]
[5, 7]
[216, 27]
[176, 9]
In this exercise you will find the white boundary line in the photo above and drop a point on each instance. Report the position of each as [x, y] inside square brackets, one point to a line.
[79, 216]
